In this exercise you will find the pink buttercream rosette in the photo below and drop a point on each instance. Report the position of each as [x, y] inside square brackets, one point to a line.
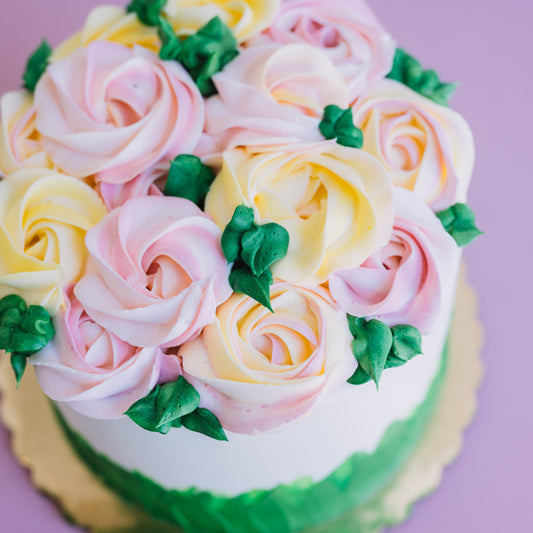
[113, 111]
[156, 272]
[95, 372]
[272, 95]
[403, 282]
[346, 30]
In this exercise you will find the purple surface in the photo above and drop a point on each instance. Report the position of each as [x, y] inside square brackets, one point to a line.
[487, 45]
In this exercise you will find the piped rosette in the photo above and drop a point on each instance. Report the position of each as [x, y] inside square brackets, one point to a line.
[156, 272]
[427, 148]
[92, 370]
[402, 282]
[346, 30]
[258, 370]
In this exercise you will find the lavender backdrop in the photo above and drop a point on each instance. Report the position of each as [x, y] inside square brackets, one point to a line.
[487, 45]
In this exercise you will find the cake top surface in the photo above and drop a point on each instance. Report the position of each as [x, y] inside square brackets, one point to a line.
[214, 216]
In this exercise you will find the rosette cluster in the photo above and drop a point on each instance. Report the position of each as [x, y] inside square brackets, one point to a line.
[93, 151]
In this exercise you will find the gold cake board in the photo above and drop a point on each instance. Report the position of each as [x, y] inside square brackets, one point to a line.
[40, 445]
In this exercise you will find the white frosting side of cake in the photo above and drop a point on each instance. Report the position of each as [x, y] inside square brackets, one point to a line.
[353, 419]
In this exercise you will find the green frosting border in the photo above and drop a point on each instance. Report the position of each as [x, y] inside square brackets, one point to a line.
[299, 506]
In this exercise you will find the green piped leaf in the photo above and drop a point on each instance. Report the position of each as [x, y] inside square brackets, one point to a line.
[253, 248]
[12, 301]
[241, 221]
[147, 11]
[337, 123]
[23, 331]
[176, 399]
[406, 342]
[264, 245]
[173, 405]
[242, 280]
[36, 65]
[204, 421]
[171, 44]
[207, 52]
[189, 178]
[359, 377]
[378, 347]
[371, 345]
[18, 363]
[460, 222]
[144, 412]
[407, 70]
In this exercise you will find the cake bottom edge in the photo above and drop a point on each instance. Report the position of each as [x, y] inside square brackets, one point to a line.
[327, 505]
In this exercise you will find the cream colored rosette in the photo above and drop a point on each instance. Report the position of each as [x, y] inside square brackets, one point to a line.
[110, 23]
[257, 370]
[427, 147]
[245, 18]
[43, 220]
[335, 202]
[20, 142]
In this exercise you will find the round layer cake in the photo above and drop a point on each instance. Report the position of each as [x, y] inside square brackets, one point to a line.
[231, 235]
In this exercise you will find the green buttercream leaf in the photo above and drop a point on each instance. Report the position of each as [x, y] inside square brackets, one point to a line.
[253, 248]
[394, 362]
[204, 421]
[147, 11]
[173, 405]
[189, 178]
[359, 377]
[23, 330]
[36, 65]
[460, 222]
[240, 223]
[406, 342]
[338, 124]
[12, 301]
[264, 245]
[407, 70]
[170, 42]
[371, 345]
[18, 363]
[207, 52]
[176, 399]
[243, 280]
[144, 411]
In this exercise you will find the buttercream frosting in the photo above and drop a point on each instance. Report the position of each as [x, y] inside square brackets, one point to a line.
[257, 370]
[426, 147]
[95, 372]
[273, 95]
[346, 30]
[114, 111]
[156, 272]
[20, 145]
[403, 282]
[335, 202]
[44, 217]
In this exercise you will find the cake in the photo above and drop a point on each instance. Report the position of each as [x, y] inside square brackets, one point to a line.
[231, 235]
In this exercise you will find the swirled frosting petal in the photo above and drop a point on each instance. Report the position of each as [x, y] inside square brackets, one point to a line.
[257, 370]
[335, 202]
[156, 272]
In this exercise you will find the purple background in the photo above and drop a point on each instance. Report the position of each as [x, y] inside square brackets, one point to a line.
[487, 45]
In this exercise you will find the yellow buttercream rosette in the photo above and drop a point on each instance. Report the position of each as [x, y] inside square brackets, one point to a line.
[110, 23]
[245, 18]
[335, 202]
[43, 220]
[258, 370]
[20, 142]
